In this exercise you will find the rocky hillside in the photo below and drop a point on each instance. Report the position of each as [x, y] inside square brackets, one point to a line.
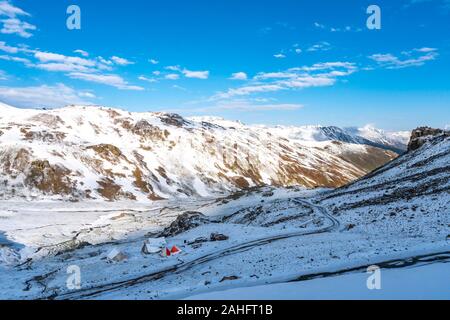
[82, 152]
[413, 188]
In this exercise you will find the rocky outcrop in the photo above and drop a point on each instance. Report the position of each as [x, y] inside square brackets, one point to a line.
[185, 222]
[422, 135]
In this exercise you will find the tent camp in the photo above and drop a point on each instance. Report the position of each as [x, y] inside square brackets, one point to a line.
[152, 246]
[166, 252]
[115, 255]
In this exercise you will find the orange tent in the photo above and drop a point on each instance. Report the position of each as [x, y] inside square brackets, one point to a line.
[175, 250]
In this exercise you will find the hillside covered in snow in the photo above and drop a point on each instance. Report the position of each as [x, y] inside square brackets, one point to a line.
[82, 152]
[396, 217]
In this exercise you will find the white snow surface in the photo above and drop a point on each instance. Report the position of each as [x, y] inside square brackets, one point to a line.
[424, 282]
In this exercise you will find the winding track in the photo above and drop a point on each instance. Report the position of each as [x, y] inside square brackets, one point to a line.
[92, 292]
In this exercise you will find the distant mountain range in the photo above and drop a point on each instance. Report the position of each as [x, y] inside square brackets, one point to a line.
[84, 152]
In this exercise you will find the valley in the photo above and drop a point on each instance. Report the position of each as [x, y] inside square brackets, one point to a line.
[226, 237]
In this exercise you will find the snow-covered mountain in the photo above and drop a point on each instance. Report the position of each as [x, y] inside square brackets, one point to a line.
[396, 141]
[82, 152]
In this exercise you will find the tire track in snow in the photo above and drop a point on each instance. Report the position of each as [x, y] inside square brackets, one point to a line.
[184, 266]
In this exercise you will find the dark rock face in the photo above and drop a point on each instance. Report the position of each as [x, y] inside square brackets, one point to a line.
[187, 221]
[173, 119]
[422, 135]
[218, 237]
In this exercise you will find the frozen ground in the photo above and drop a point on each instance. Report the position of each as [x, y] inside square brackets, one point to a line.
[423, 282]
[274, 236]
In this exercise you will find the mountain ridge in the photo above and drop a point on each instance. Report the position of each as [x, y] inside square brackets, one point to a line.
[85, 152]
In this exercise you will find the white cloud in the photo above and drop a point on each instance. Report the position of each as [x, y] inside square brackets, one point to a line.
[247, 90]
[12, 24]
[153, 61]
[239, 76]
[56, 62]
[196, 74]
[187, 73]
[121, 61]
[8, 49]
[316, 75]
[279, 56]
[56, 57]
[15, 59]
[17, 26]
[321, 46]
[42, 96]
[156, 73]
[87, 94]
[7, 9]
[144, 78]
[337, 29]
[172, 76]
[82, 52]
[414, 58]
[105, 62]
[179, 88]
[319, 25]
[106, 79]
[173, 68]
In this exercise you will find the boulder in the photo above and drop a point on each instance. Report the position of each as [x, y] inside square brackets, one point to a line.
[187, 221]
[218, 237]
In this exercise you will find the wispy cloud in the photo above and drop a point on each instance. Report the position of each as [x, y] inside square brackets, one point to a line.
[150, 80]
[15, 59]
[75, 67]
[321, 46]
[337, 29]
[121, 61]
[239, 76]
[153, 61]
[82, 52]
[4, 47]
[412, 58]
[316, 75]
[203, 75]
[13, 24]
[172, 76]
[43, 96]
[106, 79]
[196, 74]
[279, 56]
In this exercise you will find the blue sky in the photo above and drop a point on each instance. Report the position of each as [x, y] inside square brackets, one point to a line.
[287, 62]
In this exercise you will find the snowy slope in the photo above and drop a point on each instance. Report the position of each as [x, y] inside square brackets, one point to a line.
[395, 217]
[81, 152]
[413, 188]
